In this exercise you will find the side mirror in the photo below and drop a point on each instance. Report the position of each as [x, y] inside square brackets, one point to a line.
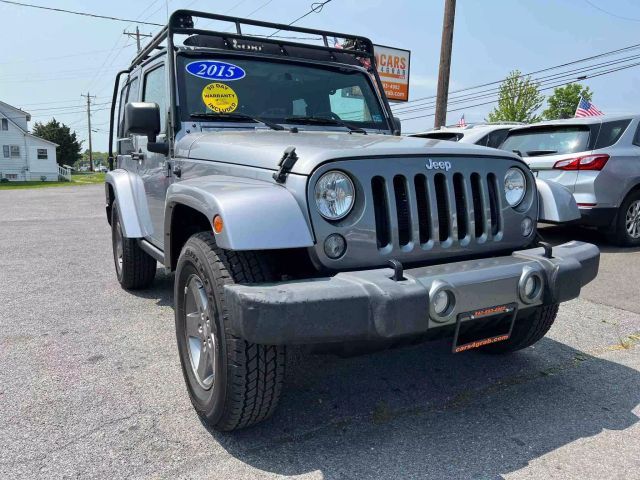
[142, 118]
[398, 125]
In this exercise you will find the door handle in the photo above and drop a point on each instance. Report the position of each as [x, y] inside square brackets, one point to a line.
[137, 156]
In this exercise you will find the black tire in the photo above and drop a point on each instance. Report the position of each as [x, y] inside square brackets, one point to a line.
[619, 234]
[246, 378]
[530, 326]
[135, 268]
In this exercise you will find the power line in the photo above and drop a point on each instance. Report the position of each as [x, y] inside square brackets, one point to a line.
[19, 75]
[580, 60]
[612, 14]
[137, 35]
[63, 56]
[613, 70]
[162, 7]
[315, 8]
[104, 63]
[51, 109]
[54, 115]
[540, 80]
[50, 103]
[258, 9]
[84, 14]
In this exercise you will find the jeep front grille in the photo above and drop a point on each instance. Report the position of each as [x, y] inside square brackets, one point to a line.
[449, 209]
[411, 213]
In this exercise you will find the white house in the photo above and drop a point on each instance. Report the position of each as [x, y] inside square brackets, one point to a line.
[24, 156]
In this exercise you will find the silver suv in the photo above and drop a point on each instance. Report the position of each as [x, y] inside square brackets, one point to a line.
[486, 134]
[271, 177]
[597, 159]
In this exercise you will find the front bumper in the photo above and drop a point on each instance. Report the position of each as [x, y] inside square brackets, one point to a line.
[369, 305]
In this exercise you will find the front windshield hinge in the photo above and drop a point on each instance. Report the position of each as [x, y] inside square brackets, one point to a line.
[289, 158]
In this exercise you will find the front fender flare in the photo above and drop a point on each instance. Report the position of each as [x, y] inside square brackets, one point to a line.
[257, 215]
[129, 195]
[556, 203]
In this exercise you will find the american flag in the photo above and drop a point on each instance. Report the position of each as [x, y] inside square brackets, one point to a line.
[462, 122]
[587, 109]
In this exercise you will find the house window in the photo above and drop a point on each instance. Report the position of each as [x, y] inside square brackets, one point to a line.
[5, 151]
[42, 154]
[12, 176]
[5, 124]
[15, 151]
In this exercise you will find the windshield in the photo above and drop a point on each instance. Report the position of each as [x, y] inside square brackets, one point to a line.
[278, 92]
[548, 141]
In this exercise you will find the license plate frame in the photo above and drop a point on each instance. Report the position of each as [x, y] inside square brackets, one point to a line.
[463, 341]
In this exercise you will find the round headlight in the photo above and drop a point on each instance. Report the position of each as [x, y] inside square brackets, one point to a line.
[335, 195]
[515, 186]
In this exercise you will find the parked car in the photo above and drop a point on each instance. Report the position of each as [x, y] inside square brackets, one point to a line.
[485, 134]
[271, 177]
[597, 159]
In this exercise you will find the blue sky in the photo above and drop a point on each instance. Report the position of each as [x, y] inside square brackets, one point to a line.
[48, 59]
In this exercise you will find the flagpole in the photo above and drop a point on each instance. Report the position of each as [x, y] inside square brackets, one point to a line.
[577, 106]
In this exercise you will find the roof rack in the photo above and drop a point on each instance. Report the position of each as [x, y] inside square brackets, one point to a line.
[182, 22]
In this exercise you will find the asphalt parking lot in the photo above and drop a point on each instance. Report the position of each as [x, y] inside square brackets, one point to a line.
[91, 387]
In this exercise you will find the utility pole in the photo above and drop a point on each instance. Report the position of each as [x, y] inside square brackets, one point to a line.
[137, 34]
[445, 63]
[89, 128]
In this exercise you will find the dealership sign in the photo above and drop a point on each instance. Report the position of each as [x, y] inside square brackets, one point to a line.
[393, 69]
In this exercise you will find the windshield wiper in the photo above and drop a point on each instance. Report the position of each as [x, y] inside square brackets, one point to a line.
[324, 121]
[236, 117]
[537, 153]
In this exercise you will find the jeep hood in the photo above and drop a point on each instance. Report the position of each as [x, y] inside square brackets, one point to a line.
[264, 148]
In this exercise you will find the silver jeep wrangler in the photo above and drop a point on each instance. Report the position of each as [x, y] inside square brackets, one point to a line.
[271, 177]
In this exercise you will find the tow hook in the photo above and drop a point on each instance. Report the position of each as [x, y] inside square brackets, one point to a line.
[398, 270]
[548, 249]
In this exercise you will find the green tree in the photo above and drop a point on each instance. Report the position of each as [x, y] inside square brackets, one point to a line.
[68, 151]
[518, 101]
[99, 158]
[563, 102]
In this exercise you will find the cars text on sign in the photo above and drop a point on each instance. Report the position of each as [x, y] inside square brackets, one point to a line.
[393, 69]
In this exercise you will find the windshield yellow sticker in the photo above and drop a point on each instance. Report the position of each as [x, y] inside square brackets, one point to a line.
[220, 97]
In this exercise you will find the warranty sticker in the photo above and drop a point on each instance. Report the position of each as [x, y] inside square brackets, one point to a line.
[220, 97]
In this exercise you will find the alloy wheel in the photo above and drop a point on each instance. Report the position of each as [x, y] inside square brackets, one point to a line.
[119, 248]
[632, 220]
[200, 341]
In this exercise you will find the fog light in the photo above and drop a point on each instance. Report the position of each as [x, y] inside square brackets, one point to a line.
[441, 302]
[526, 227]
[530, 285]
[335, 246]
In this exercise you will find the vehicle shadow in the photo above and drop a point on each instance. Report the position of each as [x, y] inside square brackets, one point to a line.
[556, 234]
[161, 290]
[421, 412]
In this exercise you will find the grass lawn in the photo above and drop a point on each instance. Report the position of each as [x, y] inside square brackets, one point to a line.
[76, 179]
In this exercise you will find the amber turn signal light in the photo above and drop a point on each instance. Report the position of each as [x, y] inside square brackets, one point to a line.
[218, 224]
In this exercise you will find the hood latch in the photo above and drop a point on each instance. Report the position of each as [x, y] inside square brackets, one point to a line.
[288, 160]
